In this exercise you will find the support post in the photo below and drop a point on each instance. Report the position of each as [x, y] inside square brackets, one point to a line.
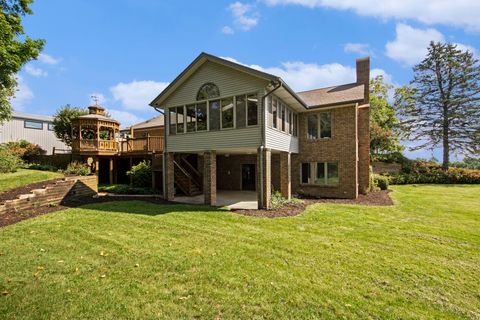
[264, 178]
[285, 175]
[169, 176]
[110, 170]
[210, 177]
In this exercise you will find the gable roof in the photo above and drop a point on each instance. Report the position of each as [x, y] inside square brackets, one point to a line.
[150, 123]
[347, 93]
[23, 115]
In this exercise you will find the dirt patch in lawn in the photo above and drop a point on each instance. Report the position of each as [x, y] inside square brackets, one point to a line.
[14, 193]
[376, 198]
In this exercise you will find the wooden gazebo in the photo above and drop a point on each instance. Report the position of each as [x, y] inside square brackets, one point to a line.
[94, 133]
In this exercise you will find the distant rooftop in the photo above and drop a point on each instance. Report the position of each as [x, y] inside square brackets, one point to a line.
[24, 115]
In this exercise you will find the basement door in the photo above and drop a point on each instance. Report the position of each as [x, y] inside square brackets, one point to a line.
[248, 176]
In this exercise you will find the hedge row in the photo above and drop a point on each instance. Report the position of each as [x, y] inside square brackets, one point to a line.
[437, 176]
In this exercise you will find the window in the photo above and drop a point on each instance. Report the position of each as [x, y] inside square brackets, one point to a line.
[319, 173]
[214, 114]
[283, 117]
[173, 120]
[274, 113]
[252, 110]
[240, 105]
[269, 107]
[295, 124]
[227, 113]
[50, 126]
[202, 116]
[319, 126]
[30, 124]
[191, 118]
[180, 120]
[208, 91]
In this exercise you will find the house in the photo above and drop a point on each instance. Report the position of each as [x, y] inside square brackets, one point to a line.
[36, 129]
[152, 127]
[231, 127]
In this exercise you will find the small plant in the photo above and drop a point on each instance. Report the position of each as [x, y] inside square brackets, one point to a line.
[9, 162]
[77, 168]
[141, 174]
[279, 201]
[381, 182]
[52, 205]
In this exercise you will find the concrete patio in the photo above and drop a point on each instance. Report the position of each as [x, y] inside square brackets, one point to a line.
[226, 198]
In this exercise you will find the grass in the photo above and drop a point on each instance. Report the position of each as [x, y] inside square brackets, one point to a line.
[124, 189]
[417, 259]
[25, 176]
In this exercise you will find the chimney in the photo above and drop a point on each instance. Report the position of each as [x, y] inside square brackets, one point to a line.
[363, 76]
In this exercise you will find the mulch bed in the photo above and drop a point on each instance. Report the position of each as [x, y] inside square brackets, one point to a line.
[14, 193]
[376, 198]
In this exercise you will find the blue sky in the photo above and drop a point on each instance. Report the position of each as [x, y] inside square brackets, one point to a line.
[127, 51]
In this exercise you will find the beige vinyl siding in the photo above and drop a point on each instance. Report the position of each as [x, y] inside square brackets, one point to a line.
[229, 81]
[249, 137]
[14, 130]
[278, 140]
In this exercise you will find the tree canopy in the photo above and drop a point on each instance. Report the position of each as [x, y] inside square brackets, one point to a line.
[440, 107]
[62, 122]
[15, 50]
[383, 119]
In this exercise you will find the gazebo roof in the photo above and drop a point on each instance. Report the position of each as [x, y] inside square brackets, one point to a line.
[97, 113]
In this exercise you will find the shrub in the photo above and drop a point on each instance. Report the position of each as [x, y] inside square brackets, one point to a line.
[23, 149]
[77, 168]
[41, 167]
[381, 182]
[371, 180]
[437, 175]
[141, 174]
[9, 162]
[278, 201]
[124, 189]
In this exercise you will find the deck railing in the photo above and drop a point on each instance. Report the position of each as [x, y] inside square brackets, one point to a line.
[139, 145]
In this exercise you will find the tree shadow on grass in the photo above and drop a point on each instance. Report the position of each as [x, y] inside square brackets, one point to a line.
[148, 208]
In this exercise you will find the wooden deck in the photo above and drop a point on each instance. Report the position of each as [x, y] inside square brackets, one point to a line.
[145, 145]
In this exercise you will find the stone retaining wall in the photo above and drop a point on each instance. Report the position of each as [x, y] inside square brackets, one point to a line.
[68, 190]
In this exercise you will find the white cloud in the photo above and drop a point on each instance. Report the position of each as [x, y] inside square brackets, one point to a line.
[227, 30]
[136, 95]
[48, 59]
[36, 72]
[124, 117]
[244, 15]
[23, 95]
[410, 45]
[460, 13]
[306, 76]
[360, 48]
[101, 99]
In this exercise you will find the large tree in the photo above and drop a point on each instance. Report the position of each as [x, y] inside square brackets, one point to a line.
[15, 50]
[383, 119]
[441, 105]
[62, 122]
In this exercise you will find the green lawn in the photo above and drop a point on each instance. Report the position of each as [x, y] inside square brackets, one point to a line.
[23, 177]
[418, 259]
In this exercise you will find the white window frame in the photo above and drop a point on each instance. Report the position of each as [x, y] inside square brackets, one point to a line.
[313, 173]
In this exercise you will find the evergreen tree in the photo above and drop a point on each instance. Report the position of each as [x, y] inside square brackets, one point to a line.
[441, 105]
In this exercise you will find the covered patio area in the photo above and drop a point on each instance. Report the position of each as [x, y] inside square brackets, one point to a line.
[232, 199]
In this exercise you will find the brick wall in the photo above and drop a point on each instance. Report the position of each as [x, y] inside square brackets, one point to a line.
[68, 190]
[363, 149]
[229, 170]
[341, 148]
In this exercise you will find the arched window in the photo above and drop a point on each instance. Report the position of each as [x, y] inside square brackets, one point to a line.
[208, 91]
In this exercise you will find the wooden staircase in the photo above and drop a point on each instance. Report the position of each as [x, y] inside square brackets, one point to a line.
[187, 178]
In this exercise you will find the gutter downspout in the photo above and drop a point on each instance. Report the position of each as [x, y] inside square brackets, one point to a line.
[277, 85]
[164, 147]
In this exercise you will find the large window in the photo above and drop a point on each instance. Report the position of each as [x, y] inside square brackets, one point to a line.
[180, 120]
[252, 110]
[201, 116]
[51, 126]
[275, 113]
[30, 124]
[173, 120]
[319, 173]
[191, 118]
[281, 117]
[208, 91]
[319, 126]
[214, 111]
[227, 113]
[240, 105]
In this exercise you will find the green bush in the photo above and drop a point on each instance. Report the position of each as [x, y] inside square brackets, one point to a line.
[23, 149]
[437, 176]
[124, 189]
[77, 168]
[141, 174]
[381, 182]
[41, 167]
[278, 201]
[9, 162]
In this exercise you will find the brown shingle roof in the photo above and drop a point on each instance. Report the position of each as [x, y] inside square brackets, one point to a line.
[351, 92]
[154, 122]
